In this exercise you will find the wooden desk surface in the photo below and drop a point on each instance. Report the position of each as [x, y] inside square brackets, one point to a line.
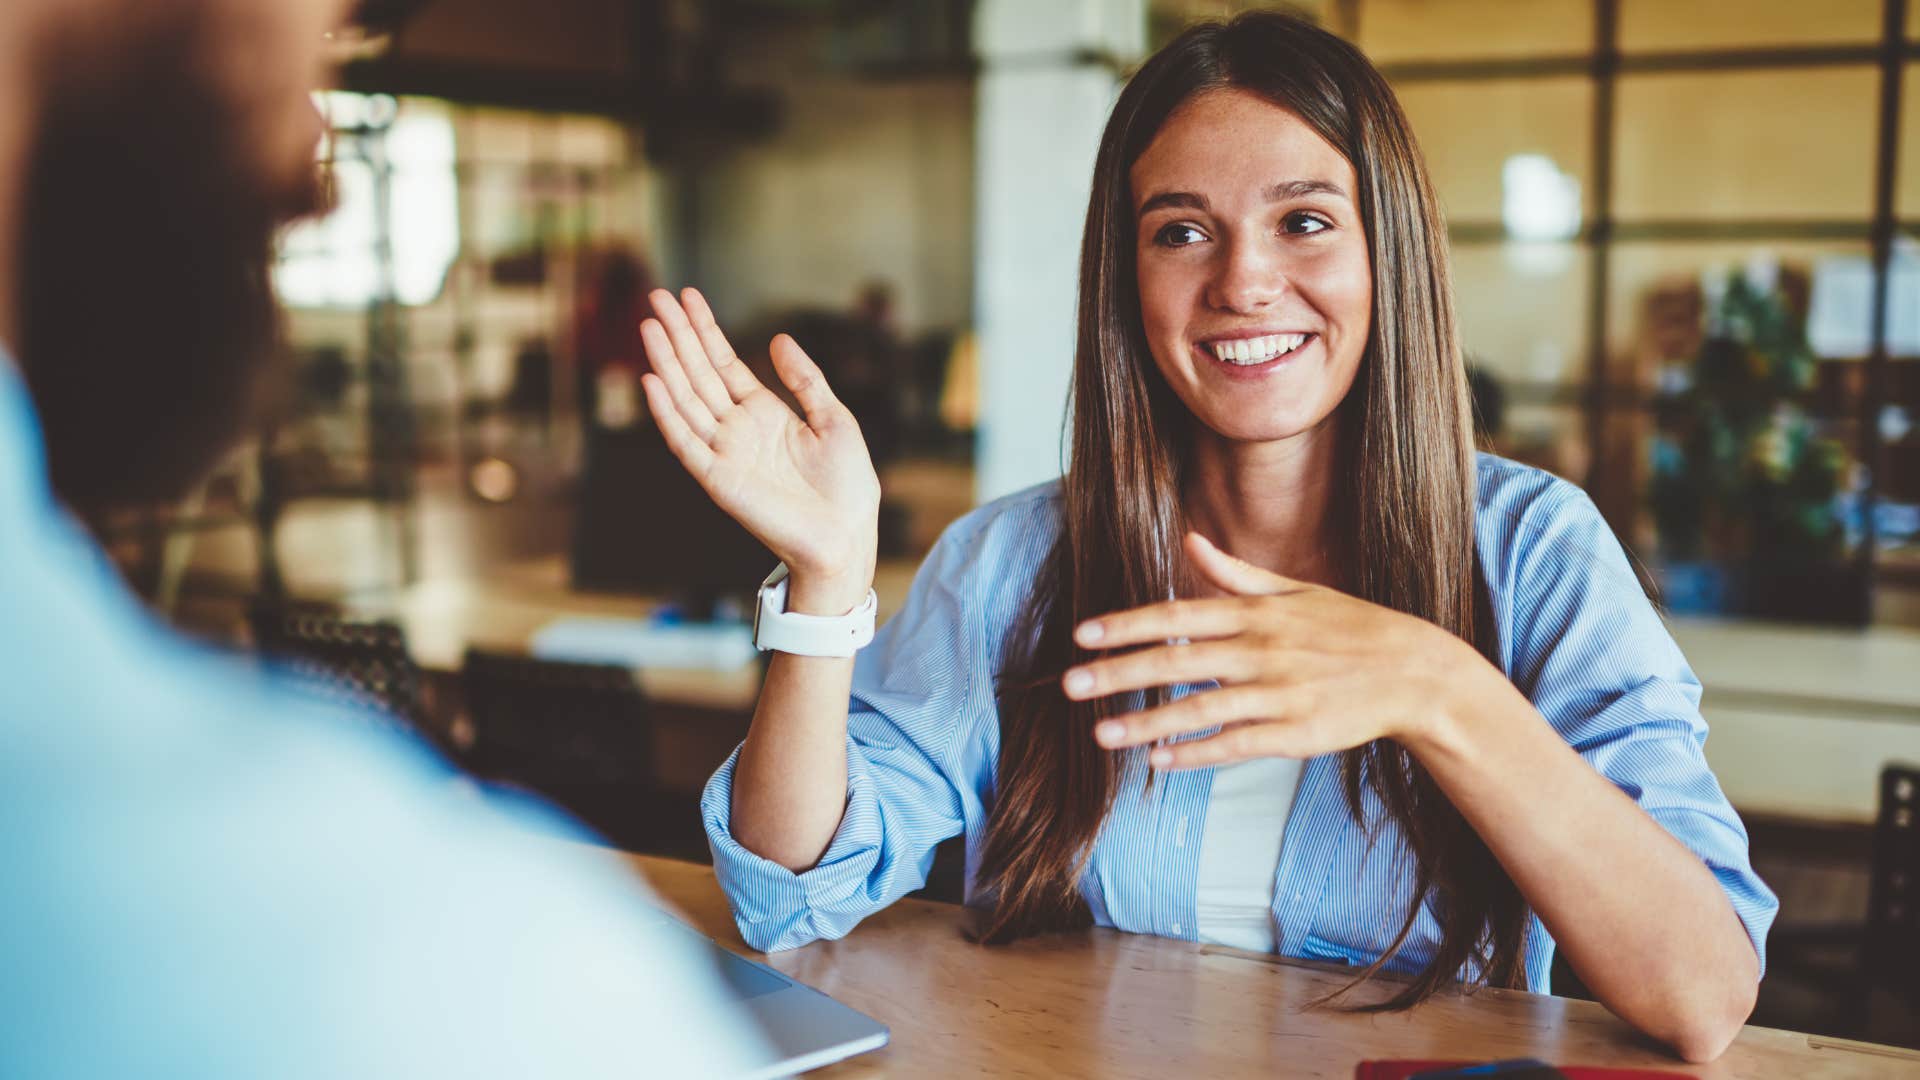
[1109, 1004]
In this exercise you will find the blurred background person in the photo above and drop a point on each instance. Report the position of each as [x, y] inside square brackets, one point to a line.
[209, 878]
[608, 357]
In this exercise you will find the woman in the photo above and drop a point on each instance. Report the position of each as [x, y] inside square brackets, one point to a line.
[1421, 718]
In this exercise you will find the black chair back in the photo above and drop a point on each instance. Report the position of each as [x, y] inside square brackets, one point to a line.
[1893, 898]
[545, 723]
[363, 665]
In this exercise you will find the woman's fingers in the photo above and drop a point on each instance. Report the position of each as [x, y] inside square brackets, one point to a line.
[1232, 660]
[667, 367]
[1195, 712]
[1194, 620]
[1242, 743]
[802, 376]
[691, 354]
[738, 380]
[689, 447]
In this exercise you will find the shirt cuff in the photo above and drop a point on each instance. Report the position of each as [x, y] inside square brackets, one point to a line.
[776, 908]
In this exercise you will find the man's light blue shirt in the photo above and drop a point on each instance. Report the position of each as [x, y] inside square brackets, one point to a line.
[208, 878]
[1577, 636]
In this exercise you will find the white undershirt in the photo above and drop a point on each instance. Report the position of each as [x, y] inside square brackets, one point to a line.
[1240, 851]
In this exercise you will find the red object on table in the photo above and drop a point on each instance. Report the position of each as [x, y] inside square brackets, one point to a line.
[1400, 1070]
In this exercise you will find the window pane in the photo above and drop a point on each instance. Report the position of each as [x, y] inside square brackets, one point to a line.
[1906, 191]
[1396, 30]
[1523, 313]
[1655, 296]
[1898, 518]
[1751, 144]
[1469, 131]
[1745, 446]
[1167, 18]
[1661, 25]
[1899, 513]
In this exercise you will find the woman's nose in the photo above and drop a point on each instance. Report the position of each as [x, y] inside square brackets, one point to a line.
[1249, 277]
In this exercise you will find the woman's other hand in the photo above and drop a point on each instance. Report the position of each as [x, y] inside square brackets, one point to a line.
[1303, 670]
[805, 487]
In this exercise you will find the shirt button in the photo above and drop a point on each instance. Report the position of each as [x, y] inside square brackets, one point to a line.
[1177, 930]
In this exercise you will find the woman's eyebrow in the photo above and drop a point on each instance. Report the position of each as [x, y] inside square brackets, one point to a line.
[1185, 200]
[1297, 189]
[1282, 191]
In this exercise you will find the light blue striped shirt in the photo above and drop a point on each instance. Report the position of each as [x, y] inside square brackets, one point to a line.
[1577, 634]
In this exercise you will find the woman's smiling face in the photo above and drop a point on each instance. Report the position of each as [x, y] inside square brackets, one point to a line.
[1255, 286]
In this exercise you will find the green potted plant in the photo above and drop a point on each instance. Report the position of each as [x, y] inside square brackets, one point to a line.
[1745, 475]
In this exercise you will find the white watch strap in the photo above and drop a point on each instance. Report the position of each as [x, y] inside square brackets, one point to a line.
[777, 629]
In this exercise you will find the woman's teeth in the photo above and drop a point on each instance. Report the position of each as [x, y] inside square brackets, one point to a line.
[1257, 350]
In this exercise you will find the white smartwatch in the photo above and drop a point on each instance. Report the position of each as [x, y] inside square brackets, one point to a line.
[775, 628]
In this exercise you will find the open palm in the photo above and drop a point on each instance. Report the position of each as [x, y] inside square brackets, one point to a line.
[805, 487]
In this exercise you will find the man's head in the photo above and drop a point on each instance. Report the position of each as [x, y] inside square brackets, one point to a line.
[170, 142]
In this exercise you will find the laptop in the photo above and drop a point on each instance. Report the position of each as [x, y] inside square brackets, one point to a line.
[806, 1028]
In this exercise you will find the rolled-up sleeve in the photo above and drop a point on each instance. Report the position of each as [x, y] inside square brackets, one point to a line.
[919, 692]
[1593, 655]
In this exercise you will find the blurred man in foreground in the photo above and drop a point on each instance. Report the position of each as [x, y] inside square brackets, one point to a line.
[202, 877]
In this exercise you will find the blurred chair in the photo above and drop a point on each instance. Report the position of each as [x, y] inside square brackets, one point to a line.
[1872, 969]
[1892, 953]
[579, 734]
[363, 665]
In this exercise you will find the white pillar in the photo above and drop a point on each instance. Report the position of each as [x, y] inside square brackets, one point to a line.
[1047, 83]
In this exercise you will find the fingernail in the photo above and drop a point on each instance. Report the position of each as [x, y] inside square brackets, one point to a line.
[1109, 731]
[1161, 758]
[1090, 632]
[1079, 682]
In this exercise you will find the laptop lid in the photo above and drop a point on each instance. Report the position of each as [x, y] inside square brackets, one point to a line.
[805, 1028]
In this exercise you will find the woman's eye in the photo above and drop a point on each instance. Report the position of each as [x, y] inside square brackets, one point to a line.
[1303, 224]
[1177, 236]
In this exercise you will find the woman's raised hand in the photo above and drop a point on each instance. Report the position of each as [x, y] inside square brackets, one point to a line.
[804, 486]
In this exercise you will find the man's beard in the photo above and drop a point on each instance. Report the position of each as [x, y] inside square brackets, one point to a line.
[148, 317]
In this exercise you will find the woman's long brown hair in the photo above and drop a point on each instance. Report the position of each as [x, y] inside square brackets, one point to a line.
[1407, 516]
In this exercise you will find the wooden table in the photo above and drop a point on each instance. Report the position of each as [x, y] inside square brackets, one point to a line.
[1110, 1004]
